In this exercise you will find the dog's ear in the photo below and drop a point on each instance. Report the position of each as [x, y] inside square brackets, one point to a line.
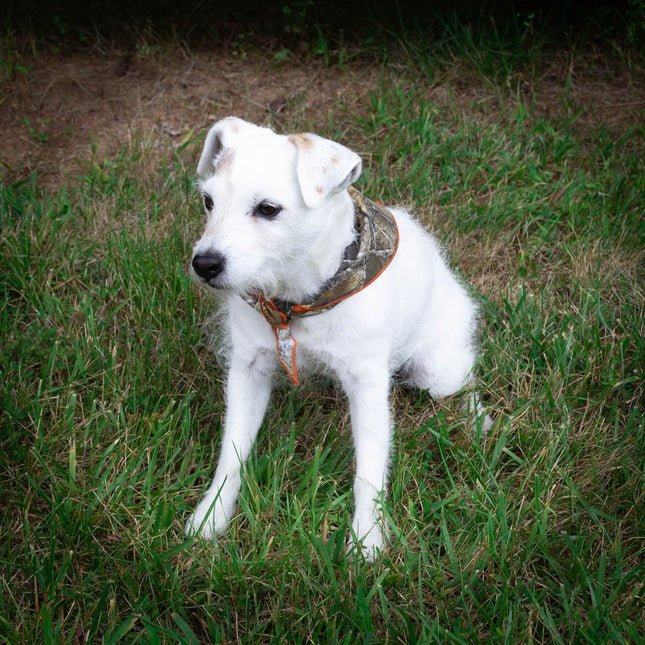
[324, 167]
[221, 136]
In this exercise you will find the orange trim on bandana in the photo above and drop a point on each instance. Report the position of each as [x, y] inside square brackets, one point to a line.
[299, 309]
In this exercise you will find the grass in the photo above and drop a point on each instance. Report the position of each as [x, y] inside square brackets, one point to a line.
[111, 403]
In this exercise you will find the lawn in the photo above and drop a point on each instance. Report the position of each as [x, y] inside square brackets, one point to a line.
[527, 160]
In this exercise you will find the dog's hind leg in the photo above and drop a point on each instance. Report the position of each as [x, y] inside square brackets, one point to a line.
[247, 396]
[445, 372]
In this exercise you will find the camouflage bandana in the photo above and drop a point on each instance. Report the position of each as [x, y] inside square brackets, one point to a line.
[377, 239]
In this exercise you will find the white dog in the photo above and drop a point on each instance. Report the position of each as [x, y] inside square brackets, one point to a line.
[313, 274]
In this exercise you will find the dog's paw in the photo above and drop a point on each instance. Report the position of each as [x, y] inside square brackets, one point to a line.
[203, 527]
[368, 539]
[205, 522]
[369, 549]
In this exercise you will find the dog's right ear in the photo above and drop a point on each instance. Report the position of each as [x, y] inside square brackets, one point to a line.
[221, 136]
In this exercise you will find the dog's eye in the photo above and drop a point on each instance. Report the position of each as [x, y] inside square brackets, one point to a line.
[208, 202]
[267, 210]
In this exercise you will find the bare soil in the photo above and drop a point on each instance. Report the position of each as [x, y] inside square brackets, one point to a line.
[53, 116]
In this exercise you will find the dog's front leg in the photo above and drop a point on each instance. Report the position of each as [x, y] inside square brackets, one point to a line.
[371, 428]
[247, 396]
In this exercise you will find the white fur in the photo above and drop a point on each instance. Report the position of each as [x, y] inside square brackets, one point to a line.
[415, 319]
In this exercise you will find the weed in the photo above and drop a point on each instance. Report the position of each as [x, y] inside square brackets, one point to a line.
[10, 59]
[37, 131]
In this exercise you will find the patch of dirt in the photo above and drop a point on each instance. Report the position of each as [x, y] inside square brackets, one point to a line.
[53, 116]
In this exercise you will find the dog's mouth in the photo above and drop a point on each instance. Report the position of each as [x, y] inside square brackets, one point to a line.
[219, 283]
[214, 284]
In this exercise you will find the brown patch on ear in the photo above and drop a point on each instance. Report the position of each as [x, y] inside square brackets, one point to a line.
[301, 141]
[319, 190]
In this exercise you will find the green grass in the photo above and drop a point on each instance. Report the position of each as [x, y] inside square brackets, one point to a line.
[111, 404]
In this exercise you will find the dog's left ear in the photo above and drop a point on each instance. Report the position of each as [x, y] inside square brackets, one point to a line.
[324, 167]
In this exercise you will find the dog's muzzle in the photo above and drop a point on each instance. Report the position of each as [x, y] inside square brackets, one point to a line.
[208, 265]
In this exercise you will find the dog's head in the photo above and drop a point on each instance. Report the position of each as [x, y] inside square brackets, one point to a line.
[269, 199]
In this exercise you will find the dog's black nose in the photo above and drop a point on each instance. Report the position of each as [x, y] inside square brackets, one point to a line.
[208, 265]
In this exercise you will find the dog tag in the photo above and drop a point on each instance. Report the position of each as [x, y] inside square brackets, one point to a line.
[286, 346]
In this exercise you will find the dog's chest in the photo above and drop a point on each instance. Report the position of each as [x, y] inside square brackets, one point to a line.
[319, 339]
[334, 341]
